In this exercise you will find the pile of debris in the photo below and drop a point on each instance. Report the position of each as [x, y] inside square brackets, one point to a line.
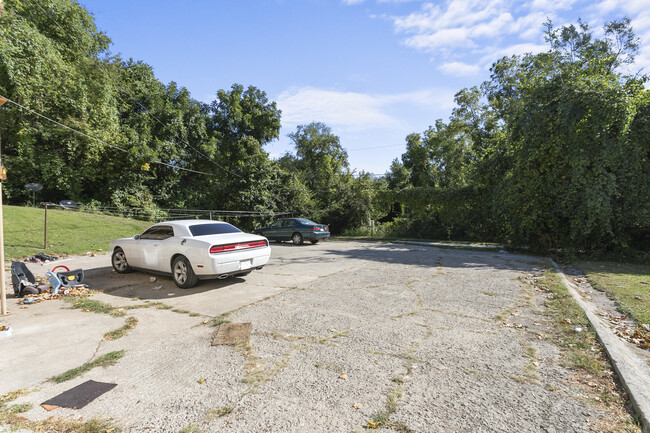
[41, 257]
[33, 290]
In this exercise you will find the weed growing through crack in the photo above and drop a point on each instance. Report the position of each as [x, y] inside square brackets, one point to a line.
[382, 418]
[11, 396]
[192, 428]
[217, 413]
[531, 373]
[93, 305]
[221, 319]
[19, 408]
[131, 323]
[103, 361]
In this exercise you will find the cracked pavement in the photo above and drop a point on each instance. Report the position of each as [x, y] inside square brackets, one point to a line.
[345, 336]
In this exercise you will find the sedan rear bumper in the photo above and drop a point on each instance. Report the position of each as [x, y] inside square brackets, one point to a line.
[229, 263]
[317, 235]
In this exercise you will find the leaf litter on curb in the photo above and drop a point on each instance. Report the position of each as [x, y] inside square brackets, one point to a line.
[637, 335]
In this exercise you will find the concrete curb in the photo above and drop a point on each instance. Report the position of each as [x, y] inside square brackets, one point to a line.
[450, 244]
[633, 371]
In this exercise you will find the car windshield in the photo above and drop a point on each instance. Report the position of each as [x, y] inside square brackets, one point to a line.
[213, 229]
[305, 221]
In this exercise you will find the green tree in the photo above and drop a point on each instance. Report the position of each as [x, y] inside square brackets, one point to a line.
[566, 113]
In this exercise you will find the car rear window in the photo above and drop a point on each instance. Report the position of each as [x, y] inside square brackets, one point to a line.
[305, 221]
[213, 229]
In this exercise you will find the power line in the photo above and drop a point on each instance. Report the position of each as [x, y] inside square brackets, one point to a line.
[146, 110]
[99, 140]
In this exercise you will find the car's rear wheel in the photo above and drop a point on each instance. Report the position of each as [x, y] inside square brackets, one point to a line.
[314, 241]
[119, 262]
[296, 238]
[182, 273]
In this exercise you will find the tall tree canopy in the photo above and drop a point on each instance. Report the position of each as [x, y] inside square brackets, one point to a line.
[548, 153]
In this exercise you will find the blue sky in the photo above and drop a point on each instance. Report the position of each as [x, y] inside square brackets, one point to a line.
[372, 70]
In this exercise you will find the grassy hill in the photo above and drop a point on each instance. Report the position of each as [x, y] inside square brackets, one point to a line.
[68, 232]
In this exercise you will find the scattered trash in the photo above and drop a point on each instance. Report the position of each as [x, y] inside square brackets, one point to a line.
[343, 376]
[578, 329]
[152, 279]
[23, 281]
[41, 257]
[157, 287]
[201, 380]
[78, 290]
[638, 297]
[357, 405]
[90, 254]
[373, 424]
[5, 331]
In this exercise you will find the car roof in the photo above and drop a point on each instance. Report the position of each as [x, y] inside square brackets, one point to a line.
[188, 223]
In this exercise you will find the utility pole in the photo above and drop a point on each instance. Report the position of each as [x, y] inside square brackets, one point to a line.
[3, 176]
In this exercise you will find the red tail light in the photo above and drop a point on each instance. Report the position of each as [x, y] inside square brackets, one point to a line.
[238, 246]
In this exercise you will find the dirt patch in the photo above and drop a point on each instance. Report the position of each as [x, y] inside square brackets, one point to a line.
[232, 333]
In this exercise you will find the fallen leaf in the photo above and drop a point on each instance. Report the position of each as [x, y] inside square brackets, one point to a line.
[357, 405]
[201, 380]
[343, 376]
[373, 424]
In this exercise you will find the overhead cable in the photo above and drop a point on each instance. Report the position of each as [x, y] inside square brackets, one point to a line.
[146, 109]
[97, 139]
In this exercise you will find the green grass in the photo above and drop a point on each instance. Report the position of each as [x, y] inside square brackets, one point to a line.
[103, 361]
[627, 284]
[68, 232]
[580, 349]
[95, 306]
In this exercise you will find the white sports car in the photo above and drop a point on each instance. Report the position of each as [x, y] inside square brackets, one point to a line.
[191, 250]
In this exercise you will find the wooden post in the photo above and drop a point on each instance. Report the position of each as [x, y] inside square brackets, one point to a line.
[3, 295]
[45, 228]
[2, 259]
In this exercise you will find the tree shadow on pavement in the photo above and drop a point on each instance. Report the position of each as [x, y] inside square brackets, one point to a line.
[432, 256]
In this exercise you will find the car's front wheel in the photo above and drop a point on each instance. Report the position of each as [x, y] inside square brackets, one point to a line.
[296, 238]
[182, 273]
[118, 260]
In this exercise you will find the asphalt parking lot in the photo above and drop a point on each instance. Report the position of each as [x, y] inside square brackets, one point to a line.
[342, 332]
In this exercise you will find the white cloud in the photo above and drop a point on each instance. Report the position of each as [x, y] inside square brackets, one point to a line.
[459, 69]
[447, 26]
[353, 2]
[551, 5]
[353, 111]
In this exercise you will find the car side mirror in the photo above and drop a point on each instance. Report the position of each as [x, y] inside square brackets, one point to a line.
[136, 237]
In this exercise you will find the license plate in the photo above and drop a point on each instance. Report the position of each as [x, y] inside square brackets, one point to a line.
[245, 264]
